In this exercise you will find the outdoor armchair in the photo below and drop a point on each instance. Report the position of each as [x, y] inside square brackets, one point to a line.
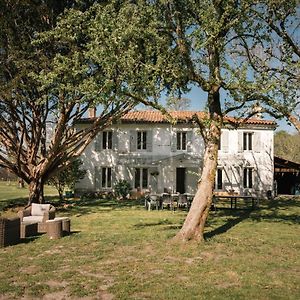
[37, 213]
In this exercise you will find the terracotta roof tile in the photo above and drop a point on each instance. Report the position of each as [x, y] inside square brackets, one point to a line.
[154, 116]
[183, 116]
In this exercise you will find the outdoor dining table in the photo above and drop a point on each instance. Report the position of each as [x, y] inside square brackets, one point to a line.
[234, 198]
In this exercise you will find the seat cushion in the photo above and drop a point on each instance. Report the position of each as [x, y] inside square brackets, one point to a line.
[39, 209]
[33, 219]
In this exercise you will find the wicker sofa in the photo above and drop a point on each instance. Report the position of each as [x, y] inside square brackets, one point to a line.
[37, 213]
[9, 231]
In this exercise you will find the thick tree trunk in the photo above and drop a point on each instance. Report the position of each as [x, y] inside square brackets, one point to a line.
[36, 191]
[193, 227]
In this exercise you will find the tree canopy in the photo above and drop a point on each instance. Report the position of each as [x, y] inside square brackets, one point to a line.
[287, 145]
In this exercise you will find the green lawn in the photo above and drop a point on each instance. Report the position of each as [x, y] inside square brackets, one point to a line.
[11, 193]
[121, 251]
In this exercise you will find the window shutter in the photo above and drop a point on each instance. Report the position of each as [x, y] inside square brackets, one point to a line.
[240, 141]
[225, 141]
[189, 137]
[98, 142]
[115, 140]
[149, 140]
[173, 141]
[255, 179]
[113, 176]
[256, 142]
[97, 178]
[133, 140]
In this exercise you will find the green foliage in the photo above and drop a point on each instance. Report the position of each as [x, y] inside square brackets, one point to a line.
[122, 188]
[287, 145]
[68, 177]
[181, 103]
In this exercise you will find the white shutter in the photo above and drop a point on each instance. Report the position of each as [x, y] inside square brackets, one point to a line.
[132, 138]
[257, 142]
[97, 175]
[225, 141]
[173, 141]
[149, 140]
[98, 142]
[115, 140]
[189, 136]
[240, 141]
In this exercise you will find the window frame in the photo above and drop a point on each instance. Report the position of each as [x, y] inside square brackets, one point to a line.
[248, 177]
[141, 178]
[248, 141]
[181, 140]
[141, 140]
[106, 177]
[107, 139]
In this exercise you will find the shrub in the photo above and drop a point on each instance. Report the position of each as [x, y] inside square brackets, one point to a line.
[122, 189]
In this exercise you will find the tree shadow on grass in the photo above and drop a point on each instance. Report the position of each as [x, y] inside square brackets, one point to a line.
[282, 210]
[235, 218]
[74, 206]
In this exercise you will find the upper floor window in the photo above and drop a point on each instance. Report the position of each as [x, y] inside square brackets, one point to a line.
[181, 140]
[141, 178]
[247, 140]
[248, 178]
[142, 140]
[107, 140]
[106, 178]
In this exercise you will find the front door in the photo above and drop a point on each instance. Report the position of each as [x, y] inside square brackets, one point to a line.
[180, 180]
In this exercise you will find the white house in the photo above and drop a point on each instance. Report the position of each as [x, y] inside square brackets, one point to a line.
[149, 152]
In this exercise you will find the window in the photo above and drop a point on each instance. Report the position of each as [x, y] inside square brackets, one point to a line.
[248, 178]
[247, 140]
[219, 179]
[106, 177]
[181, 140]
[141, 178]
[142, 140]
[107, 140]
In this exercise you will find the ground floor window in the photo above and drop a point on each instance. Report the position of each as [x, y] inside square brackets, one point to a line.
[219, 179]
[106, 177]
[141, 178]
[248, 177]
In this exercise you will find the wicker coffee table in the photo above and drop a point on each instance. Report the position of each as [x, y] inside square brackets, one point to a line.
[66, 224]
[54, 229]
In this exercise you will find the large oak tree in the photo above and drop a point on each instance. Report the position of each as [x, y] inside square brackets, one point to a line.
[49, 81]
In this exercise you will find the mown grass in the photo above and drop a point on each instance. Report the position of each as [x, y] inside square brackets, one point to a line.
[121, 251]
[11, 194]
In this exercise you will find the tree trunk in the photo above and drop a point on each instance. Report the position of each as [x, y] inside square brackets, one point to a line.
[36, 191]
[193, 226]
[295, 121]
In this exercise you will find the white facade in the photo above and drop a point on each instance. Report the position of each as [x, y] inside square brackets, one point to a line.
[158, 156]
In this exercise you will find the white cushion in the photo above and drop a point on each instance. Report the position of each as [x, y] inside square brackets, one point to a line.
[32, 219]
[39, 209]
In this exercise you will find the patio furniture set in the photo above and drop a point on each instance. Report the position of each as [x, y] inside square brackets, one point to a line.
[169, 201]
[176, 200]
[34, 219]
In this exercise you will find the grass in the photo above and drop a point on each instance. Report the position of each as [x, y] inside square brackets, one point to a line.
[11, 195]
[121, 251]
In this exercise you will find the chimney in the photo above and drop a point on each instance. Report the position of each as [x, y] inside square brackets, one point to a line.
[92, 112]
[257, 109]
